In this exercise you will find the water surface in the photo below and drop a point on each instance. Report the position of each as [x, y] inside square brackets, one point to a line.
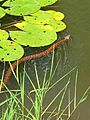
[75, 52]
[78, 20]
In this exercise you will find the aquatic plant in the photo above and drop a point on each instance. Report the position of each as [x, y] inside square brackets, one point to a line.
[38, 28]
[29, 57]
[2, 12]
[14, 106]
[25, 7]
[3, 35]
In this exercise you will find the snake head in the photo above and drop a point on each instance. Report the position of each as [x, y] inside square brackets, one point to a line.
[67, 37]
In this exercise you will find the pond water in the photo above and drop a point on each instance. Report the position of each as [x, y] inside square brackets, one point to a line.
[77, 18]
[75, 52]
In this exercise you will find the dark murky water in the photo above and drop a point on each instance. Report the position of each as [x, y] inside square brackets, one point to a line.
[75, 52]
[77, 18]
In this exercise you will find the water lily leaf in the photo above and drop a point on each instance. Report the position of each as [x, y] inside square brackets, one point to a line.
[3, 35]
[56, 15]
[21, 7]
[10, 51]
[45, 18]
[46, 2]
[25, 7]
[34, 35]
[59, 26]
[2, 12]
[40, 17]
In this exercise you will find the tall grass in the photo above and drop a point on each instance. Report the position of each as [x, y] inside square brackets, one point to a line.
[14, 108]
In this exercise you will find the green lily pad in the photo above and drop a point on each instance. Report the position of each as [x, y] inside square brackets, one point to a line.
[34, 35]
[56, 15]
[46, 2]
[10, 51]
[3, 35]
[21, 7]
[25, 7]
[45, 18]
[2, 12]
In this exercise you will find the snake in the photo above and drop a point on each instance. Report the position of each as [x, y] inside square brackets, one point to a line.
[29, 57]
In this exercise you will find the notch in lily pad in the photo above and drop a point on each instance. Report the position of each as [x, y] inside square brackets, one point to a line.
[10, 51]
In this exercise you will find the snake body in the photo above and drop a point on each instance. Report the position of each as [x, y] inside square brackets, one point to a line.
[29, 57]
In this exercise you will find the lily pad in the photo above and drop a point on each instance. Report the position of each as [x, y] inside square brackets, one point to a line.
[3, 35]
[56, 15]
[34, 35]
[21, 7]
[46, 2]
[25, 7]
[2, 12]
[46, 18]
[10, 51]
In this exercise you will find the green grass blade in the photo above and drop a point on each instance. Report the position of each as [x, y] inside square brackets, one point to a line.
[2, 103]
[51, 114]
[12, 70]
[61, 101]
[52, 63]
[75, 91]
[57, 81]
[37, 78]
[60, 116]
[54, 99]
[69, 105]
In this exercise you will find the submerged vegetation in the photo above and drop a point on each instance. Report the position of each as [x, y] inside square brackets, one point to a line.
[15, 108]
